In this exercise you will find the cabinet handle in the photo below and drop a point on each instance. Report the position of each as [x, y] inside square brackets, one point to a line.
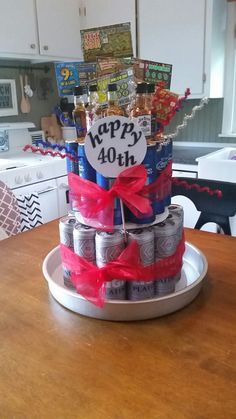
[32, 46]
[45, 47]
[84, 11]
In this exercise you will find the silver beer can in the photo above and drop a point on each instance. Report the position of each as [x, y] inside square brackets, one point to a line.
[108, 247]
[84, 242]
[142, 290]
[167, 237]
[177, 213]
[66, 227]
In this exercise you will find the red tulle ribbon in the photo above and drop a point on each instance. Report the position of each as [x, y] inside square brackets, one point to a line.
[96, 204]
[90, 280]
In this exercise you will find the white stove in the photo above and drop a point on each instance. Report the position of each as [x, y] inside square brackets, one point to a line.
[26, 172]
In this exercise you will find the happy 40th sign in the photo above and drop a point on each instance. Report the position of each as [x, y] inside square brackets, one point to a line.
[113, 144]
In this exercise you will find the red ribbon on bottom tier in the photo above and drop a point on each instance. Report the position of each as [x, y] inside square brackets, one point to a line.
[90, 280]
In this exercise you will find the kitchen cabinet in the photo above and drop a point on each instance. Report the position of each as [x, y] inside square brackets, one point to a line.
[40, 29]
[109, 12]
[18, 28]
[62, 194]
[59, 28]
[190, 36]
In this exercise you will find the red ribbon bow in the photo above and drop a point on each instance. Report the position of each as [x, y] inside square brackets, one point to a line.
[96, 204]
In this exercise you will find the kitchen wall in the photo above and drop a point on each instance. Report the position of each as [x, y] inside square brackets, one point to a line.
[205, 126]
[45, 90]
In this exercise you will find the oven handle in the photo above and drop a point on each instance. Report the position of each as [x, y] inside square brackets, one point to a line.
[49, 189]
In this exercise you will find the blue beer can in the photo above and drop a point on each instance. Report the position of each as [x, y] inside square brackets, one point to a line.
[150, 164]
[160, 205]
[72, 166]
[168, 158]
[106, 183]
[86, 171]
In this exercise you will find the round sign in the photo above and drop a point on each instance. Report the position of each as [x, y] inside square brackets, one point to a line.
[113, 144]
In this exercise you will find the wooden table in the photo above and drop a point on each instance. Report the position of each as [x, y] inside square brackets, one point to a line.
[57, 364]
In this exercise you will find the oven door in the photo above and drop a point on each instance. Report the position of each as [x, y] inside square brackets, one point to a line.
[47, 192]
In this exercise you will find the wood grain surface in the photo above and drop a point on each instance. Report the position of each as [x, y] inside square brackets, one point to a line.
[57, 364]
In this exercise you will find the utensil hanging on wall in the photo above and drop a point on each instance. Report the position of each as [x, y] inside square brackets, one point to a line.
[24, 104]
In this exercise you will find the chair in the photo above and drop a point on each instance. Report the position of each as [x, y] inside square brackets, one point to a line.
[206, 196]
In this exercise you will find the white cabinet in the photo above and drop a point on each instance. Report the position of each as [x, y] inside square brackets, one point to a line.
[40, 29]
[190, 36]
[18, 29]
[108, 12]
[62, 195]
[59, 28]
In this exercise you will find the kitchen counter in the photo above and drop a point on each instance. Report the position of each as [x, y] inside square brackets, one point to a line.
[57, 364]
[184, 156]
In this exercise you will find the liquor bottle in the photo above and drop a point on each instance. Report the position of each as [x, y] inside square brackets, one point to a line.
[79, 113]
[140, 113]
[93, 109]
[113, 108]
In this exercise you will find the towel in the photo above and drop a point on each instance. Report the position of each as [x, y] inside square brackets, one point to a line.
[30, 211]
[10, 219]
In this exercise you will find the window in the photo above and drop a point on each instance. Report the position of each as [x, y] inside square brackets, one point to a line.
[229, 111]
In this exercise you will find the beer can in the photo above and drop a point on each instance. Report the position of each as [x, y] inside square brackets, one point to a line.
[166, 160]
[160, 205]
[150, 164]
[66, 227]
[106, 183]
[108, 247]
[177, 213]
[84, 242]
[86, 171]
[72, 166]
[166, 239]
[141, 290]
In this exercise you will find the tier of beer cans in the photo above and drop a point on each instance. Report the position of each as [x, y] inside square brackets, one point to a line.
[157, 157]
[99, 247]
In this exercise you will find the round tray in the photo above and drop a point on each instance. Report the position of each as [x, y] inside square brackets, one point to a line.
[187, 288]
[129, 226]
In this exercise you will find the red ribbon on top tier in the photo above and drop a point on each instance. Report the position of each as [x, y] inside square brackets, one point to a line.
[96, 204]
[90, 280]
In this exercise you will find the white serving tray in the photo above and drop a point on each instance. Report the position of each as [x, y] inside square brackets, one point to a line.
[193, 272]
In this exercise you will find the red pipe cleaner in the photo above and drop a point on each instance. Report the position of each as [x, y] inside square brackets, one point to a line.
[48, 152]
[198, 188]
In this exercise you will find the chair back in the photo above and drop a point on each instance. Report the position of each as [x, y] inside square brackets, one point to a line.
[205, 194]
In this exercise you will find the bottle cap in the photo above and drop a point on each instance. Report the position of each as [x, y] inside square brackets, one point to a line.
[141, 88]
[112, 87]
[93, 88]
[78, 90]
[150, 87]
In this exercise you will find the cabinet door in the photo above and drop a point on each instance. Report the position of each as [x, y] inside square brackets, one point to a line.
[172, 32]
[18, 29]
[59, 28]
[109, 12]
